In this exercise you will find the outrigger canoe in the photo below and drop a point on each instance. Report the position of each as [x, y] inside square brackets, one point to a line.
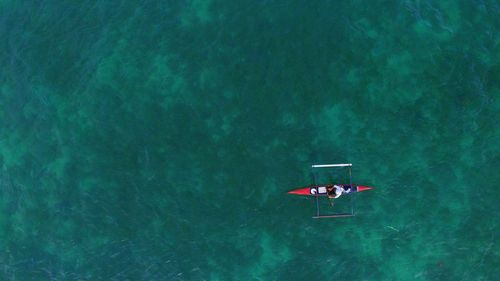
[320, 190]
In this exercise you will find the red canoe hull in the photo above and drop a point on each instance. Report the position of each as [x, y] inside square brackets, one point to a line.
[320, 190]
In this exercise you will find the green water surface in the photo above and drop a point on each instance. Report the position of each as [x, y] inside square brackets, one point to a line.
[156, 140]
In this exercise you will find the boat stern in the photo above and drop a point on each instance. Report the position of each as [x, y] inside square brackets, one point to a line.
[363, 188]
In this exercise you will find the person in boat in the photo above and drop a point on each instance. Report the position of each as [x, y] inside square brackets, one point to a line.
[334, 191]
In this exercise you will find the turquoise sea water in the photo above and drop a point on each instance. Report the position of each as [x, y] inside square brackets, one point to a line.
[156, 141]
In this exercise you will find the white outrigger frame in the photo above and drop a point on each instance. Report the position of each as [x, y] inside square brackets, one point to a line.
[335, 215]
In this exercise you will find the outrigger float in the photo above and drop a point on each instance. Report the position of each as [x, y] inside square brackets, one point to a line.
[319, 191]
